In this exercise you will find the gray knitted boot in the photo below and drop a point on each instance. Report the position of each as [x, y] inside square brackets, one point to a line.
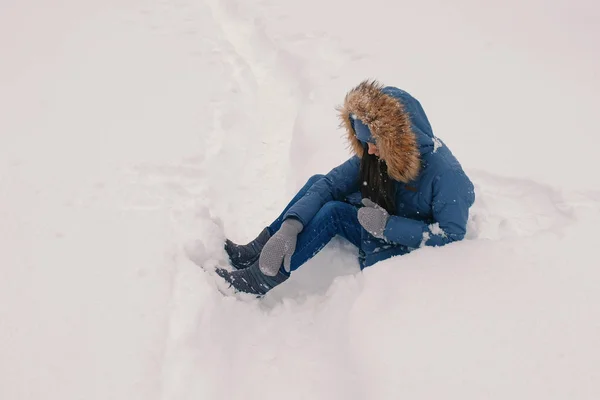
[243, 256]
[252, 280]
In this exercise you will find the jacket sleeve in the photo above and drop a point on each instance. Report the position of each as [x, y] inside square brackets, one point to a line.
[336, 185]
[453, 195]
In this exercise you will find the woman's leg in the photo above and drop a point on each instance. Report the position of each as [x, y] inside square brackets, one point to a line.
[243, 256]
[334, 218]
[274, 227]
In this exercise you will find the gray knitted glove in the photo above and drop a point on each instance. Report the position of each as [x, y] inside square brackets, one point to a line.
[280, 247]
[373, 218]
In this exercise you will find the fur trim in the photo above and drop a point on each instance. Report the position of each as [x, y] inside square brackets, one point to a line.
[390, 126]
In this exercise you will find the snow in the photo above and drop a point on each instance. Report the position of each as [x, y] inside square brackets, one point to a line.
[437, 143]
[436, 229]
[135, 136]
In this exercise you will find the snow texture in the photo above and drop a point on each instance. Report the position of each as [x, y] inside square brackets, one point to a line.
[437, 143]
[437, 230]
[135, 136]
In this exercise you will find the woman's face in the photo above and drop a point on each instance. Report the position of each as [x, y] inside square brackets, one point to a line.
[373, 149]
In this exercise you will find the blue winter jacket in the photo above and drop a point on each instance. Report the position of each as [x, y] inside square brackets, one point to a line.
[433, 193]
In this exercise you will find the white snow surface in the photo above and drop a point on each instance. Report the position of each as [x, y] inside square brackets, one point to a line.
[135, 136]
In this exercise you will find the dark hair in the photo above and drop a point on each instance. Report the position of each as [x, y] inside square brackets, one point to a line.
[375, 183]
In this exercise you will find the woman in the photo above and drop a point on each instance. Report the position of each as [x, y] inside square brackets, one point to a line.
[402, 189]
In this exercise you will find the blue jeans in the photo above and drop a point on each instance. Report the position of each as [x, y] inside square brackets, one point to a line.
[334, 218]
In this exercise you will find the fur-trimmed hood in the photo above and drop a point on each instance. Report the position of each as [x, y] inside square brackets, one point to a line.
[396, 121]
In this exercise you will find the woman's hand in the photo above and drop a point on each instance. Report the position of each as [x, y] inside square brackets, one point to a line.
[280, 247]
[373, 218]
